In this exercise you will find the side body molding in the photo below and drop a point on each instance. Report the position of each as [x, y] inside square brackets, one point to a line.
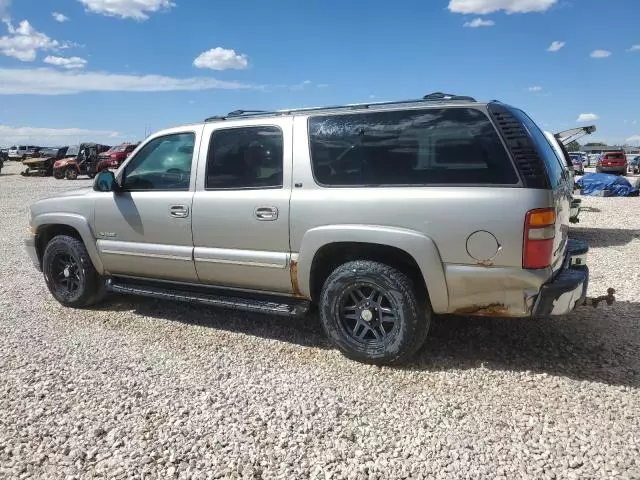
[79, 223]
[416, 244]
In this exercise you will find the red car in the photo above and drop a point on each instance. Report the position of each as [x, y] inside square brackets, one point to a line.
[114, 157]
[612, 162]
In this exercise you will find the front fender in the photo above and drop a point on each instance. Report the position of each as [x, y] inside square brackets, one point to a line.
[419, 246]
[77, 222]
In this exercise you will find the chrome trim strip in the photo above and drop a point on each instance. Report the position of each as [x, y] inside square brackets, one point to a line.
[239, 262]
[146, 255]
[246, 258]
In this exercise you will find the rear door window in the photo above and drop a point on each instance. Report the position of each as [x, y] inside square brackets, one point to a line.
[410, 147]
[245, 158]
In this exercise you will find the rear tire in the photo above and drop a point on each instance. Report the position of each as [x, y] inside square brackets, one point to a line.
[373, 314]
[69, 273]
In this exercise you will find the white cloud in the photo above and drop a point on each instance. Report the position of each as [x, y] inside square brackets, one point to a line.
[633, 139]
[587, 117]
[555, 46]
[323, 85]
[300, 86]
[136, 9]
[60, 17]
[52, 136]
[634, 48]
[66, 62]
[479, 22]
[24, 42]
[221, 59]
[46, 81]
[535, 89]
[600, 54]
[483, 7]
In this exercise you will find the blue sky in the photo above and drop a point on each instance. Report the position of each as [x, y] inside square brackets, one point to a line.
[110, 70]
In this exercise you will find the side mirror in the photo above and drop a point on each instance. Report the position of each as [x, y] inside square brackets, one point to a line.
[106, 182]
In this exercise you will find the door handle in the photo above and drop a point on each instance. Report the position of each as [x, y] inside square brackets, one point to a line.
[266, 214]
[179, 211]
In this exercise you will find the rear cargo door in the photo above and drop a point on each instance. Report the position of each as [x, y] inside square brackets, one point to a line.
[561, 185]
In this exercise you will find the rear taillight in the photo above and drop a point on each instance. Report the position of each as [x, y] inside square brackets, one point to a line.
[539, 232]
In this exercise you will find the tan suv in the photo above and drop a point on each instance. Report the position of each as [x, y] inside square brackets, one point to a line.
[379, 214]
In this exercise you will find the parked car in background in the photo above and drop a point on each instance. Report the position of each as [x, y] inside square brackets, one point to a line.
[114, 157]
[578, 161]
[43, 164]
[565, 162]
[21, 152]
[566, 137]
[584, 157]
[612, 162]
[633, 166]
[3, 158]
[348, 208]
[80, 160]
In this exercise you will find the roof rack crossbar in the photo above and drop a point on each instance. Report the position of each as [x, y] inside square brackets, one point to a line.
[433, 97]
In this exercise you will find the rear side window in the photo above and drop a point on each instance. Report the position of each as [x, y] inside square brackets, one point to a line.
[245, 157]
[614, 156]
[546, 151]
[411, 147]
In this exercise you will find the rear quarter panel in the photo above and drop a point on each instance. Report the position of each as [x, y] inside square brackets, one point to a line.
[446, 215]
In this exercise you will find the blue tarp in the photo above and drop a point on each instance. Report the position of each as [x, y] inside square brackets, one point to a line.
[594, 184]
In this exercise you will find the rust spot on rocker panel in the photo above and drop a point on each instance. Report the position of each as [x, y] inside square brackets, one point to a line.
[295, 288]
[491, 310]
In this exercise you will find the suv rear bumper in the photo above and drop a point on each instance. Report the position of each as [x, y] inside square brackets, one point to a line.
[568, 288]
[613, 169]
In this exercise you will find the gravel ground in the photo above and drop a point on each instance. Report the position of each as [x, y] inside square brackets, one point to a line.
[147, 389]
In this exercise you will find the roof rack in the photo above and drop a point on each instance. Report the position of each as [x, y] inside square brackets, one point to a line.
[432, 97]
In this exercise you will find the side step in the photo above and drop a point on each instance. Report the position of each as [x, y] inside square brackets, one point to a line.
[215, 297]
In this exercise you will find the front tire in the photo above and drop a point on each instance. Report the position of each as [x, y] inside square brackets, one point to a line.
[71, 174]
[373, 314]
[70, 274]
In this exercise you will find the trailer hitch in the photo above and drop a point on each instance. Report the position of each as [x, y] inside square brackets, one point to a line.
[595, 301]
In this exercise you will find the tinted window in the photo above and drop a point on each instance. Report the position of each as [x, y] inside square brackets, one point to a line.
[614, 156]
[545, 150]
[414, 147]
[163, 164]
[248, 157]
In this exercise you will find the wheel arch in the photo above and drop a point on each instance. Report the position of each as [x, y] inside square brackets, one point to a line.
[48, 226]
[323, 248]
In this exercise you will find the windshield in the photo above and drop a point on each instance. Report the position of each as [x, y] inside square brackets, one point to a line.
[73, 151]
[118, 148]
